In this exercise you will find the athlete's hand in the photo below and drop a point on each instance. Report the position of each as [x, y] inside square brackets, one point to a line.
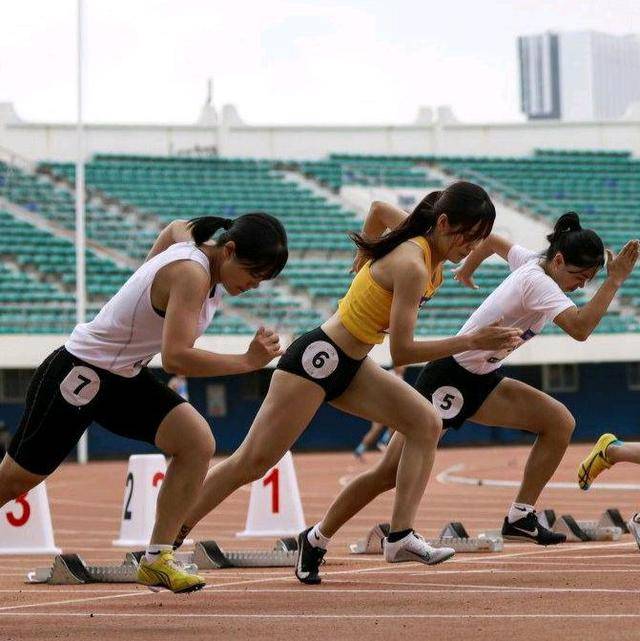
[619, 267]
[495, 337]
[264, 347]
[358, 262]
[464, 277]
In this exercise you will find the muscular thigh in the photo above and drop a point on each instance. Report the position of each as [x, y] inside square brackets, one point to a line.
[285, 413]
[378, 395]
[517, 405]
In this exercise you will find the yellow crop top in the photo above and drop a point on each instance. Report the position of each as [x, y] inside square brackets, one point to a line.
[365, 309]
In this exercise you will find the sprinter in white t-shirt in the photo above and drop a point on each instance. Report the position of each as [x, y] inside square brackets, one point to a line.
[468, 386]
[101, 373]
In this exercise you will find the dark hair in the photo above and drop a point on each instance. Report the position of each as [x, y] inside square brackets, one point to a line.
[260, 239]
[466, 205]
[579, 247]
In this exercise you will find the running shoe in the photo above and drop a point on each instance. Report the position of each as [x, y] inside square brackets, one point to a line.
[634, 527]
[309, 560]
[529, 529]
[166, 573]
[414, 548]
[596, 462]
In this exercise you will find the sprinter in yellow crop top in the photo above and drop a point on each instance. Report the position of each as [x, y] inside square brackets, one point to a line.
[400, 270]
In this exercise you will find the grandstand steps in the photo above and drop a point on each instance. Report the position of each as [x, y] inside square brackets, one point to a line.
[142, 221]
[313, 186]
[9, 261]
[27, 216]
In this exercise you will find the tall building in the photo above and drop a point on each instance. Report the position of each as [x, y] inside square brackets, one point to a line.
[578, 76]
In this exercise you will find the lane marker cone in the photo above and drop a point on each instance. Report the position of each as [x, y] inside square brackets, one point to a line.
[144, 478]
[275, 508]
[25, 524]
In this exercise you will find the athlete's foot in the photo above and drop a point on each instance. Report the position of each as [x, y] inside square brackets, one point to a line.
[529, 529]
[414, 548]
[166, 573]
[310, 558]
[596, 462]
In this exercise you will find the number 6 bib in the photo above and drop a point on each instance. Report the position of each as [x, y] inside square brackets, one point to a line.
[320, 359]
[80, 386]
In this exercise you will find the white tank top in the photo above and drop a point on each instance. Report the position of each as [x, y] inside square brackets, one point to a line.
[127, 332]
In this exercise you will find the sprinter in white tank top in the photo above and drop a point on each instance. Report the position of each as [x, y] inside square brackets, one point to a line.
[532, 295]
[101, 375]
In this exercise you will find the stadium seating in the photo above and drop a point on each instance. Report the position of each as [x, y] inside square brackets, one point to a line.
[604, 187]
[38, 194]
[176, 187]
[388, 171]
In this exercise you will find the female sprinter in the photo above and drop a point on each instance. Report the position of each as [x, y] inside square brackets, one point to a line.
[330, 364]
[100, 374]
[468, 385]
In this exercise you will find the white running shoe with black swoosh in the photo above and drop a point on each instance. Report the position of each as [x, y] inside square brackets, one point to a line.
[414, 548]
[529, 529]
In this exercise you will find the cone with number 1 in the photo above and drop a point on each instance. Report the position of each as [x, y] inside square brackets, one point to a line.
[275, 508]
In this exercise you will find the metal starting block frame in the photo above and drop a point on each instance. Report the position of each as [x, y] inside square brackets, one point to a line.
[609, 527]
[71, 569]
[453, 535]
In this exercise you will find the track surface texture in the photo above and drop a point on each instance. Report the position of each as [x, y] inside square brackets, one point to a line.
[572, 591]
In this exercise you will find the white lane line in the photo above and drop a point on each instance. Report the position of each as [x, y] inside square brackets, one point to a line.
[448, 476]
[202, 615]
[389, 569]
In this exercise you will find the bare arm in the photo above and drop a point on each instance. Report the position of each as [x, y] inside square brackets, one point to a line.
[492, 244]
[409, 280]
[580, 322]
[188, 289]
[381, 216]
[175, 232]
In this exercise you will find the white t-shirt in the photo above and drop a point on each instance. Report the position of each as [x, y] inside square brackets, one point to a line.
[528, 299]
[127, 332]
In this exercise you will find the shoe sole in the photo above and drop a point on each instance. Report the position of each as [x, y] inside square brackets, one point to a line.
[527, 539]
[160, 588]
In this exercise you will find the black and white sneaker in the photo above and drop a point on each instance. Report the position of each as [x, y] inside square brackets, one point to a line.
[309, 560]
[529, 529]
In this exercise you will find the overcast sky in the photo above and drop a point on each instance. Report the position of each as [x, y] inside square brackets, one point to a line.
[281, 61]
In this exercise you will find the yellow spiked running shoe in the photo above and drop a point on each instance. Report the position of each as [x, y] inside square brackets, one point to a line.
[596, 462]
[166, 572]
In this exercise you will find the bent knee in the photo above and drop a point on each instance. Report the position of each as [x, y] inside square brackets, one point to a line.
[423, 425]
[560, 424]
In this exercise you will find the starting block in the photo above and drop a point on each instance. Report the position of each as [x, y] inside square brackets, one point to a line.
[609, 527]
[453, 535]
[207, 555]
[71, 569]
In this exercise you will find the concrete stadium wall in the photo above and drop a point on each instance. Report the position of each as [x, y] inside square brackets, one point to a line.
[232, 137]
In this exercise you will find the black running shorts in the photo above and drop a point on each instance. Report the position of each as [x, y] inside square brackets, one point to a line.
[456, 393]
[317, 358]
[66, 395]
